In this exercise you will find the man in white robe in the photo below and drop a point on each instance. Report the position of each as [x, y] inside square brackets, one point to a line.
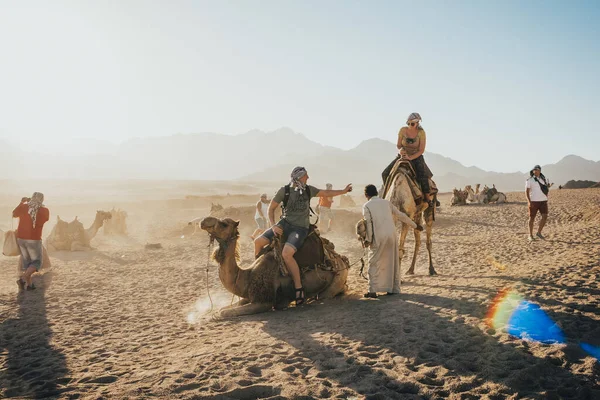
[382, 239]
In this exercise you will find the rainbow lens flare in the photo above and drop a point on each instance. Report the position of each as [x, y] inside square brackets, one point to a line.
[593, 351]
[511, 313]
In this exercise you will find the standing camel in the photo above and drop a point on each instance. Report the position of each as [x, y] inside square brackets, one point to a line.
[400, 194]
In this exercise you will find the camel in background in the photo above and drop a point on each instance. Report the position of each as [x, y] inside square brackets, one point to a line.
[71, 236]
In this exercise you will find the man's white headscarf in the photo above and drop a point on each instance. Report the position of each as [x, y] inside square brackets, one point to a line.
[37, 201]
[296, 174]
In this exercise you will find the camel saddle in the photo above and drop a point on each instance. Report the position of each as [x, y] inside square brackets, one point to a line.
[316, 252]
[491, 193]
[406, 168]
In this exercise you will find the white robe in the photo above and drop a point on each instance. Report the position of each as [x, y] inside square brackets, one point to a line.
[384, 264]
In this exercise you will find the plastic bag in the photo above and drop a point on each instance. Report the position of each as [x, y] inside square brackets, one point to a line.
[11, 247]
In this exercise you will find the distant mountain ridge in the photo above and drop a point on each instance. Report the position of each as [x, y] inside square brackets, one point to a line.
[256, 156]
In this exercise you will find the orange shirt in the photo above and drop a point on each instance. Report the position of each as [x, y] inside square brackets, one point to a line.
[26, 230]
[325, 201]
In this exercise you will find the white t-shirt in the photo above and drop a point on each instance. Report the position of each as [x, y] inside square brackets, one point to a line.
[535, 191]
[265, 209]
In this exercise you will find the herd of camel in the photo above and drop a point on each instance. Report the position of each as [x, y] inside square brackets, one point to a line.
[486, 196]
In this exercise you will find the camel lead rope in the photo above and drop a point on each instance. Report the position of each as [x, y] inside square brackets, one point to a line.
[362, 262]
[211, 243]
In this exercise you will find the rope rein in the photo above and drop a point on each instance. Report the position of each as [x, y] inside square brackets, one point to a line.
[211, 243]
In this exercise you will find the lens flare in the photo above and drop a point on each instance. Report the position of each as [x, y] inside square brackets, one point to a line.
[593, 351]
[511, 313]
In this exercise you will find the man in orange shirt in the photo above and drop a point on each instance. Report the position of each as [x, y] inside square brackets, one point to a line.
[325, 214]
[32, 216]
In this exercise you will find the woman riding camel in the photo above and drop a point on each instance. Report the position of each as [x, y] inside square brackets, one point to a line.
[411, 146]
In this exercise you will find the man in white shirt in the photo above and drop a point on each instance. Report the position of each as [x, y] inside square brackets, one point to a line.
[536, 189]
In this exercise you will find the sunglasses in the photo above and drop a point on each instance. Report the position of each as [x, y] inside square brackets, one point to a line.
[413, 124]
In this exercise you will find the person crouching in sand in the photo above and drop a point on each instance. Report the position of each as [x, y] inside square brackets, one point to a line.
[32, 216]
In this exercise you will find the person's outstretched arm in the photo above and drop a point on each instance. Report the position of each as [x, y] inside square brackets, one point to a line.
[405, 219]
[333, 193]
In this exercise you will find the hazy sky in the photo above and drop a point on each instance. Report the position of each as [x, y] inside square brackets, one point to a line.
[501, 85]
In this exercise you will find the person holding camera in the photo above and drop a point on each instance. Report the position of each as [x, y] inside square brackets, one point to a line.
[32, 216]
[536, 189]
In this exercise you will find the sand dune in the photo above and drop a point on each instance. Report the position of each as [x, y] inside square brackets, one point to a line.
[125, 321]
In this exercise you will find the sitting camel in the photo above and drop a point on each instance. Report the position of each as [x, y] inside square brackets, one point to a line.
[459, 197]
[71, 236]
[262, 285]
[116, 224]
[474, 196]
[347, 201]
[215, 207]
[493, 195]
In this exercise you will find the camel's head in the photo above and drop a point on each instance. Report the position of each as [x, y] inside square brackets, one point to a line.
[102, 216]
[468, 188]
[215, 207]
[220, 229]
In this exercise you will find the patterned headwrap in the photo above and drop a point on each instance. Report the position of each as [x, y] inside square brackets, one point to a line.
[296, 174]
[37, 201]
[414, 117]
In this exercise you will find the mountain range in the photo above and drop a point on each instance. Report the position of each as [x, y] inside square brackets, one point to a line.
[255, 156]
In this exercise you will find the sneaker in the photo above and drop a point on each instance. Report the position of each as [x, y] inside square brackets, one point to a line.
[540, 236]
[370, 295]
[21, 284]
[31, 287]
[531, 238]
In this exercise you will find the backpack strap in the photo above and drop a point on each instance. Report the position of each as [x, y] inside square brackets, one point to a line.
[286, 197]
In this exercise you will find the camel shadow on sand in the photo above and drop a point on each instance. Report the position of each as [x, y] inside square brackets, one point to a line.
[33, 368]
[399, 347]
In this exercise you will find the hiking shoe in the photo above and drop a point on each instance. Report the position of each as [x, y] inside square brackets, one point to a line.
[21, 284]
[540, 236]
[31, 287]
[370, 295]
[531, 238]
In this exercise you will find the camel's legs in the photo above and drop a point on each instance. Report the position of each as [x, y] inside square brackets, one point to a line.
[429, 246]
[75, 246]
[247, 309]
[417, 247]
[401, 248]
[429, 229]
[337, 286]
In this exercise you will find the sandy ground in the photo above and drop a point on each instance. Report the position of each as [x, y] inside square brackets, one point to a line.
[126, 322]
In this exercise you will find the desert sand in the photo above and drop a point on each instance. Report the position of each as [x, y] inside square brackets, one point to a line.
[124, 321]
